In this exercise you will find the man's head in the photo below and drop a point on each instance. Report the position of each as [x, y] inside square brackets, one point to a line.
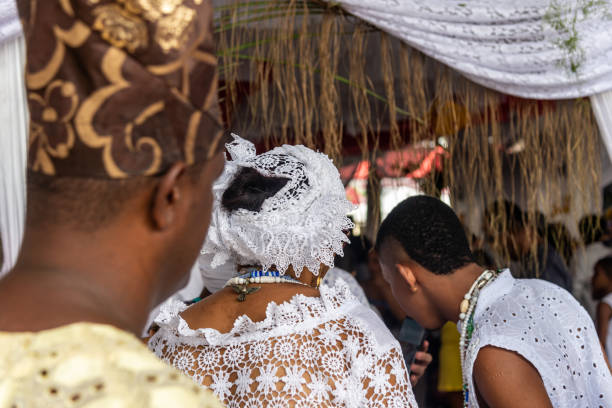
[162, 220]
[601, 283]
[125, 128]
[419, 243]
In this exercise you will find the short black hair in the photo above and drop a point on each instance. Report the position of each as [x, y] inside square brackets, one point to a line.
[82, 203]
[606, 265]
[592, 228]
[249, 189]
[430, 233]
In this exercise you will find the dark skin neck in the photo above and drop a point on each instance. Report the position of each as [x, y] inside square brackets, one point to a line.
[448, 290]
[61, 278]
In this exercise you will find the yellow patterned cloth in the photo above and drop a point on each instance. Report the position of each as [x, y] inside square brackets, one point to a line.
[93, 366]
[449, 379]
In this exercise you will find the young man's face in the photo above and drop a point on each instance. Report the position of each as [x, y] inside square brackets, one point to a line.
[417, 304]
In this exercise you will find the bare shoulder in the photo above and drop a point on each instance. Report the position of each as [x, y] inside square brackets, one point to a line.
[604, 311]
[220, 310]
[505, 379]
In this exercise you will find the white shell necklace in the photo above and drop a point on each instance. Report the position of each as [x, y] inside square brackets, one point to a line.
[467, 307]
[240, 283]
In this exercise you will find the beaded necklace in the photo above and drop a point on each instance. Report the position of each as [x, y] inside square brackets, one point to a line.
[240, 283]
[467, 307]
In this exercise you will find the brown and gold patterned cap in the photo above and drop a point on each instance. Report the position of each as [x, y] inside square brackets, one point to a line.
[120, 88]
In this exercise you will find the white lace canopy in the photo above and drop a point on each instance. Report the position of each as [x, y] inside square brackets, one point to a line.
[302, 225]
[542, 49]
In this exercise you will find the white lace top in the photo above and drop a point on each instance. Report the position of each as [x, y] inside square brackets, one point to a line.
[330, 351]
[335, 274]
[546, 325]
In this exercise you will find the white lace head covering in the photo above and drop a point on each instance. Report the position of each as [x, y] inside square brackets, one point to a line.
[302, 225]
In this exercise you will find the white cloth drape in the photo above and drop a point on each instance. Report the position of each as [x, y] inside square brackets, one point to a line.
[602, 108]
[10, 26]
[13, 147]
[516, 47]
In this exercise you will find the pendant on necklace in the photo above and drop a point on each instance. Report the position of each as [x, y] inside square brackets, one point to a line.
[243, 290]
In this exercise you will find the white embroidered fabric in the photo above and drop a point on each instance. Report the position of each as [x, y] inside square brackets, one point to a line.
[327, 351]
[546, 325]
[336, 274]
[523, 47]
[302, 225]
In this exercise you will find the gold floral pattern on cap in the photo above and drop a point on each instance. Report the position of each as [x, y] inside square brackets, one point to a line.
[120, 28]
[124, 25]
[113, 94]
[153, 10]
[51, 129]
[174, 30]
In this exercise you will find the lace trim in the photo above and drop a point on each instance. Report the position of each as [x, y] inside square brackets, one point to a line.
[299, 314]
[301, 225]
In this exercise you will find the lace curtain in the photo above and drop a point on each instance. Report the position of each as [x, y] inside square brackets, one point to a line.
[527, 48]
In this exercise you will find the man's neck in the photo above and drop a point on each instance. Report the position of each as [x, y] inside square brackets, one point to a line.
[75, 277]
[460, 283]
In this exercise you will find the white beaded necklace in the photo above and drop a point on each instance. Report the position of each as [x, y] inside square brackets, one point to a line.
[467, 308]
[240, 283]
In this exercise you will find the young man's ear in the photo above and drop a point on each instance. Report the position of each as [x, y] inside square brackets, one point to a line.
[408, 276]
[166, 197]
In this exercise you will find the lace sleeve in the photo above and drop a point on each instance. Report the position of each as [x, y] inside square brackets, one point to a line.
[387, 383]
[336, 364]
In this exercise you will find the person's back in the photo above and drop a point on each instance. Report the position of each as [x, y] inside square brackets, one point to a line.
[547, 326]
[273, 335]
[327, 350]
[85, 363]
[121, 162]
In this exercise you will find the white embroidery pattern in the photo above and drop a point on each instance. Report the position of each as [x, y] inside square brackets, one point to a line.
[307, 352]
[335, 274]
[508, 46]
[546, 325]
[302, 225]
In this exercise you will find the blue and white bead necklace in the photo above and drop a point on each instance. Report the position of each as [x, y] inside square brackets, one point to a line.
[240, 283]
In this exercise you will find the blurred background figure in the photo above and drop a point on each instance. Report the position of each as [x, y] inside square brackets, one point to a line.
[593, 232]
[545, 262]
[602, 291]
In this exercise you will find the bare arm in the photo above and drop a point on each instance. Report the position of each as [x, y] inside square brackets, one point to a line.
[602, 322]
[504, 379]
[604, 314]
